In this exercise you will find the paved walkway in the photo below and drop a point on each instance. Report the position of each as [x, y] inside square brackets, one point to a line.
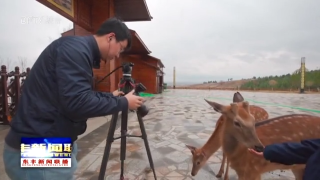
[179, 117]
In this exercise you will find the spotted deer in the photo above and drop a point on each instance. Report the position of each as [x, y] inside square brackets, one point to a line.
[201, 155]
[240, 132]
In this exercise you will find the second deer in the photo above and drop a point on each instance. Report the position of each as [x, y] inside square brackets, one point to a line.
[240, 132]
[201, 155]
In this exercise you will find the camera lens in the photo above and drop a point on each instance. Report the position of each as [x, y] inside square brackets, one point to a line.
[143, 110]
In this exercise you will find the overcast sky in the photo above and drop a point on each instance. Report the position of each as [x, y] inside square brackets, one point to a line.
[203, 39]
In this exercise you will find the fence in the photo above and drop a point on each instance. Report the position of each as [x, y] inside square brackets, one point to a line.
[10, 91]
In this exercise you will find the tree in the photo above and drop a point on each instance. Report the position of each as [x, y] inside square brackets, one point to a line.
[309, 84]
[8, 64]
[22, 63]
[272, 83]
[284, 82]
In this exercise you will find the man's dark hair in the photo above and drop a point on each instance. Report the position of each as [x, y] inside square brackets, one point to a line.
[119, 28]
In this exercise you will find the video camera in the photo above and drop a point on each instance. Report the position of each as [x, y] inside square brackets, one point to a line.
[127, 84]
[127, 69]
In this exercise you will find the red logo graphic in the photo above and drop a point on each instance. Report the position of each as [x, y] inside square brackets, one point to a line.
[41, 161]
[65, 161]
[57, 161]
[49, 161]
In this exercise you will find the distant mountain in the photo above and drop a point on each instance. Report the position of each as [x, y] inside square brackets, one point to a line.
[286, 81]
[182, 83]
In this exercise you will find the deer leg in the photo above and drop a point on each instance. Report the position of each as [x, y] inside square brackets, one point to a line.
[247, 178]
[258, 178]
[252, 175]
[221, 171]
[298, 173]
[226, 175]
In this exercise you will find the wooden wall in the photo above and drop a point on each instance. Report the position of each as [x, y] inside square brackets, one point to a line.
[92, 13]
[105, 85]
[78, 30]
[143, 73]
[104, 67]
[87, 16]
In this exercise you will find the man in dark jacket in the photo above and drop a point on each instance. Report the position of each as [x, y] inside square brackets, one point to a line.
[307, 152]
[58, 97]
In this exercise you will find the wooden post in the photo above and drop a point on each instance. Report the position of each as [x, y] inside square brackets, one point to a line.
[16, 87]
[28, 71]
[22, 75]
[4, 97]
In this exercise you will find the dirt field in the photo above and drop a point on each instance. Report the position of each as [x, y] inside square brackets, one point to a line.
[234, 86]
[228, 84]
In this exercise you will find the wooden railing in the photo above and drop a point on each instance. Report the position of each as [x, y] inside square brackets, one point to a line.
[11, 84]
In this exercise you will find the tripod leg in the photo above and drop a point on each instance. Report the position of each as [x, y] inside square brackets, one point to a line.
[107, 149]
[124, 126]
[146, 143]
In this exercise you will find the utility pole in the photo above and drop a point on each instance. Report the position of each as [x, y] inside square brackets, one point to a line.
[174, 77]
[303, 69]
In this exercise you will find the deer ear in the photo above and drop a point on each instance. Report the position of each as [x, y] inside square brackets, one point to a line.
[192, 148]
[237, 97]
[216, 106]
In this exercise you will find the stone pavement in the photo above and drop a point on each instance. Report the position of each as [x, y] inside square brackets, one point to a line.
[180, 117]
[95, 126]
[3, 131]
[177, 117]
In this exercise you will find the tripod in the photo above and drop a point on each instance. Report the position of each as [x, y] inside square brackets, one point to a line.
[124, 135]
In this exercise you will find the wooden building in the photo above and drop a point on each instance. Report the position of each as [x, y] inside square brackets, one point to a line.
[88, 15]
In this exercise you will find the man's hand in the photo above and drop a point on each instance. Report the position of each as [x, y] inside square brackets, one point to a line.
[134, 101]
[117, 93]
[260, 154]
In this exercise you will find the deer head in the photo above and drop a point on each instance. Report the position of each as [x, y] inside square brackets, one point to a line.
[239, 124]
[237, 97]
[199, 159]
